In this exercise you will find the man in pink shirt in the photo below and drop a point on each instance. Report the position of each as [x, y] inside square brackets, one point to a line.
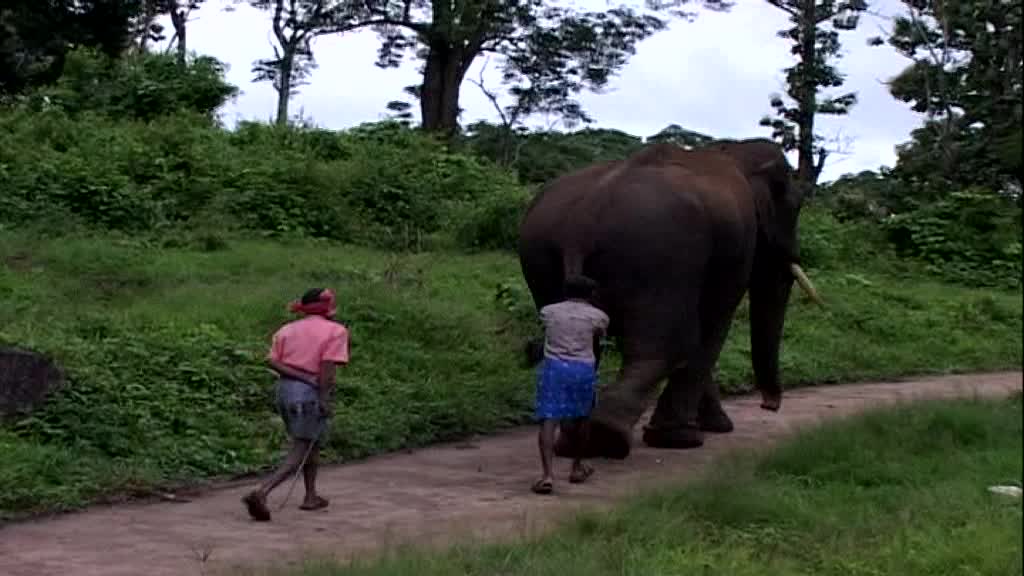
[305, 354]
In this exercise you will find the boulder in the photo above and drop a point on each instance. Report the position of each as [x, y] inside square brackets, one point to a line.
[26, 378]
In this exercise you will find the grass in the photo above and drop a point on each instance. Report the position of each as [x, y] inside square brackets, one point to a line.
[901, 491]
[164, 344]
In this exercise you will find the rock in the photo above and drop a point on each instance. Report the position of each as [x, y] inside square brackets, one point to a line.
[26, 378]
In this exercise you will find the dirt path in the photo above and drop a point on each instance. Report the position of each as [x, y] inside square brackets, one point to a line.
[429, 496]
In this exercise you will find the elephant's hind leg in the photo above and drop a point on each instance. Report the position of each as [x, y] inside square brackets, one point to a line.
[691, 403]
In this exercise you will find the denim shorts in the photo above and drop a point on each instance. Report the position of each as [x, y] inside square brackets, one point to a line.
[298, 403]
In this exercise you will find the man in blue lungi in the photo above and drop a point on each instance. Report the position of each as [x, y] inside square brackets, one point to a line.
[568, 375]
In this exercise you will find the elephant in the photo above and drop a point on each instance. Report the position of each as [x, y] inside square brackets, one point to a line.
[674, 238]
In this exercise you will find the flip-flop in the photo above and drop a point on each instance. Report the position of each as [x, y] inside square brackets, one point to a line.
[257, 507]
[542, 486]
[575, 478]
[316, 505]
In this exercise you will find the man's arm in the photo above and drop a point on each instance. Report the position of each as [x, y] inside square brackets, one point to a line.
[289, 372]
[328, 370]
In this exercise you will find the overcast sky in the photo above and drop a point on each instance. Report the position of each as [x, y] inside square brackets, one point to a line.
[714, 75]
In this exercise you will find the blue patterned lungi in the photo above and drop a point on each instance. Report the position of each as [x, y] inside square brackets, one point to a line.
[565, 389]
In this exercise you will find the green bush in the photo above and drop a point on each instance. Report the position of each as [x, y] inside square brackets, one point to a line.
[972, 237]
[493, 222]
[826, 242]
[136, 86]
[380, 185]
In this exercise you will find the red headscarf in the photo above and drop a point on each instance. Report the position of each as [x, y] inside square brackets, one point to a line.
[324, 306]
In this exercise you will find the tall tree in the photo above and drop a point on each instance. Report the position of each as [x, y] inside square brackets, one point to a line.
[814, 35]
[296, 23]
[179, 12]
[36, 34]
[548, 53]
[965, 76]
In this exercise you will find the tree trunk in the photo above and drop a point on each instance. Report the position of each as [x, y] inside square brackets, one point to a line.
[808, 98]
[284, 85]
[178, 20]
[145, 25]
[445, 68]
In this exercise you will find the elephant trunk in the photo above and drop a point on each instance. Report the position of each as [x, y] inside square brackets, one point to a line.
[769, 295]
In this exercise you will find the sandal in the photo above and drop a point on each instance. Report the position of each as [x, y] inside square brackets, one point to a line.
[580, 475]
[543, 486]
[315, 505]
[257, 506]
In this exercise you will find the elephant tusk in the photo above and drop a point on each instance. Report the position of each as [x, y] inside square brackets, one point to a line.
[805, 283]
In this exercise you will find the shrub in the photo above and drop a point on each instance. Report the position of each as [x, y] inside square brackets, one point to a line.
[492, 223]
[972, 237]
[378, 185]
[136, 86]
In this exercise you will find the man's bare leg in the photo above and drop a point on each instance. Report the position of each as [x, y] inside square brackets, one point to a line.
[546, 443]
[312, 501]
[287, 468]
[580, 430]
[257, 499]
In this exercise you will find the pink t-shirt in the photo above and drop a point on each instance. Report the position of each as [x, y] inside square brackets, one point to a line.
[303, 344]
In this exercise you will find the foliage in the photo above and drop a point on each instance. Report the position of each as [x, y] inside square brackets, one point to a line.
[541, 156]
[815, 43]
[972, 237]
[900, 491]
[381, 185]
[179, 11]
[139, 86]
[493, 222]
[36, 34]
[868, 195]
[151, 325]
[965, 75]
[549, 53]
[676, 134]
[295, 24]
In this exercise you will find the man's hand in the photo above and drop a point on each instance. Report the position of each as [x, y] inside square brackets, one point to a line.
[326, 410]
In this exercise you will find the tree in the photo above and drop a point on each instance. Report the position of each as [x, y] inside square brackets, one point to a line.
[965, 76]
[548, 53]
[36, 34]
[676, 134]
[296, 23]
[815, 43]
[179, 11]
[140, 86]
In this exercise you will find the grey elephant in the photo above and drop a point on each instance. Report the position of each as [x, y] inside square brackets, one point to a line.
[674, 239]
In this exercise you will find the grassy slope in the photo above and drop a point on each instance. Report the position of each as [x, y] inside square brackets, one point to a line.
[896, 492]
[164, 347]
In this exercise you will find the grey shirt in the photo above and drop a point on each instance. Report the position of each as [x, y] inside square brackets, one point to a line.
[569, 330]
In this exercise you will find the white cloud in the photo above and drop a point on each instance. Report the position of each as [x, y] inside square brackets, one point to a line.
[713, 75]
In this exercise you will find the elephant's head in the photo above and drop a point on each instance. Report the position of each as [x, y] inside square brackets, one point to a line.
[778, 200]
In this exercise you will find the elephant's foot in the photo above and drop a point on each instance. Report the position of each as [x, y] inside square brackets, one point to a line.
[771, 401]
[605, 442]
[714, 420]
[677, 438]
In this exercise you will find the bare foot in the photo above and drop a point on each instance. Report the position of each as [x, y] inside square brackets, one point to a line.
[256, 503]
[543, 486]
[314, 503]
